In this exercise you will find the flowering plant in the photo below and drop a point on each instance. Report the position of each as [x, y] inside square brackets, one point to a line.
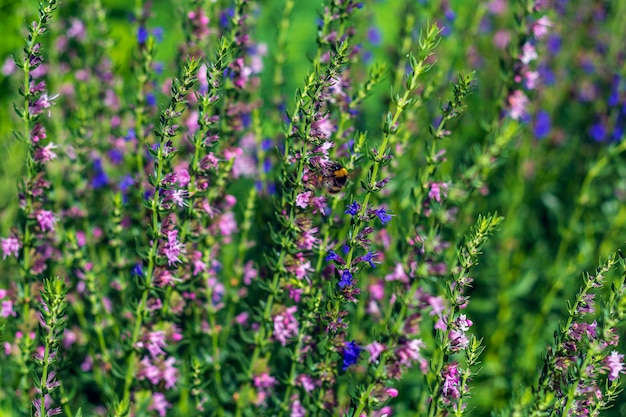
[222, 211]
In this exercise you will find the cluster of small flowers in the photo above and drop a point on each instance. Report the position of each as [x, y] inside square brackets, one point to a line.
[34, 193]
[525, 74]
[582, 357]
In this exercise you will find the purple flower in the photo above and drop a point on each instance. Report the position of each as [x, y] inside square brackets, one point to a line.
[346, 279]
[383, 216]
[615, 363]
[351, 354]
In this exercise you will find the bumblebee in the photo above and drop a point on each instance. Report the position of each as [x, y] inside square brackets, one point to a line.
[333, 177]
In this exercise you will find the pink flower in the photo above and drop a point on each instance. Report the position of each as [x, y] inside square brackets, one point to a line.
[451, 381]
[157, 370]
[6, 309]
[303, 199]
[173, 248]
[615, 363]
[286, 325]
[392, 392]
[297, 410]
[10, 246]
[541, 27]
[530, 79]
[375, 349]
[437, 189]
[46, 219]
[528, 54]
[518, 103]
[159, 404]
[227, 224]
[156, 341]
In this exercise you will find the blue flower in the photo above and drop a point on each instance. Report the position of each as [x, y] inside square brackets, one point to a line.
[158, 34]
[130, 135]
[373, 36]
[350, 355]
[383, 216]
[151, 99]
[126, 183]
[142, 35]
[346, 279]
[137, 271]
[100, 179]
[542, 124]
[225, 17]
[332, 256]
[598, 132]
[353, 208]
[368, 258]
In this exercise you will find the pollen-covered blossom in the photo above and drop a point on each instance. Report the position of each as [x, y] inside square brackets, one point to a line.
[615, 363]
[10, 246]
[286, 325]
